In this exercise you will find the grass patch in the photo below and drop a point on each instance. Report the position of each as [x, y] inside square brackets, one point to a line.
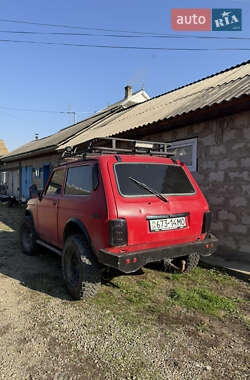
[205, 277]
[146, 284]
[204, 301]
[154, 296]
[133, 298]
[105, 298]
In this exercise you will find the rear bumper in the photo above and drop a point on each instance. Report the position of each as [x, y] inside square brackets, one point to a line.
[132, 261]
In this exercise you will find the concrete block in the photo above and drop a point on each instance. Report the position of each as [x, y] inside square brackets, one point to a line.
[218, 150]
[183, 133]
[207, 165]
[207, 141]
[239, 175]
[238, 146]
[246, 133]
[218, 226]
[215, 200]
[227, 164]
[238, 228]
[245, 189]
[245, 162]
[230, 243]
[217, 176]
[229, 135]
[238, 202]
[246, 220]
[227, 216]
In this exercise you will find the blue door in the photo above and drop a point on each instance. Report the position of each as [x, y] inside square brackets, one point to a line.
[46, 173]
[26, 181]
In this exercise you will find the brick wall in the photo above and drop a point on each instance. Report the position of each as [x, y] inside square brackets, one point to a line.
[223, 154]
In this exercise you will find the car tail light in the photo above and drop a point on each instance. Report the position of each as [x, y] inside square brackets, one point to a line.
[207, 219]
[118, 232]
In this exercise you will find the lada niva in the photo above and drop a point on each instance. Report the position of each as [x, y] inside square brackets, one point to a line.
[118, 207]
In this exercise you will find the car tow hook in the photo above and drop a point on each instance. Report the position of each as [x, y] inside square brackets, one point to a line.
[183, 265]
[180, 269]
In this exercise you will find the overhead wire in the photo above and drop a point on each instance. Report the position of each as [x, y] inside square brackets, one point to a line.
[42, 111]
[120, 46]
[120, 35]
[74, 27]
[139, 33]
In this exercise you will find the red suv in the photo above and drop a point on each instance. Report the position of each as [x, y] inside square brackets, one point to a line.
[118, 207]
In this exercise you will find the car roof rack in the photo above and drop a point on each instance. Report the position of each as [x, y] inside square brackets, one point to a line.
[113, 145]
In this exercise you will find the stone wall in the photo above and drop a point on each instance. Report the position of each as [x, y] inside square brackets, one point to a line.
[223, 154]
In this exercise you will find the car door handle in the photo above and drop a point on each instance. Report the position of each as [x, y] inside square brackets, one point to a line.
[54, 203]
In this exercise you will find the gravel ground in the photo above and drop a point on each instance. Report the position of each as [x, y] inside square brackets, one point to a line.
[45, 335]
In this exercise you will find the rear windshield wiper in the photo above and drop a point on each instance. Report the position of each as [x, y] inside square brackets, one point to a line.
[152, 191]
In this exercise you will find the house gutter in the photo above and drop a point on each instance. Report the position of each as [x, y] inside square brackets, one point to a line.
[29, 154]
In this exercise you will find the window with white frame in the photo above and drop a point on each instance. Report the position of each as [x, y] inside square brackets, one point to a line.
[37, 172]
[186, 151]
[3, 178]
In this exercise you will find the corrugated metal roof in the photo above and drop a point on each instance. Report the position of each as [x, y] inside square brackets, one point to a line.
[224, 86]
[63, 135]
[221, 87]
[52, 141]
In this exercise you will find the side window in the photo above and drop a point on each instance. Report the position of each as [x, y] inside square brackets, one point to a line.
[186, 151]
[79, 180]
[56, 183]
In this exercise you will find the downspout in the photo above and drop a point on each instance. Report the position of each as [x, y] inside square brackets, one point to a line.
[20, 180]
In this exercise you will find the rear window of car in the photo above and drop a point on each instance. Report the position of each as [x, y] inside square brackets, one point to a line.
[55, 184]
[164, 179]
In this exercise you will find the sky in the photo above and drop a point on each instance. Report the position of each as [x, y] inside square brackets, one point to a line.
[41, 77]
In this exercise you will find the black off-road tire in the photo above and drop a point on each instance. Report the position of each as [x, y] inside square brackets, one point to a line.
[27, 237]
[191, 260]
[81, 272]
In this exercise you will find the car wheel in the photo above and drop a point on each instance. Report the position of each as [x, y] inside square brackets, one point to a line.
[184, 264]
[27, 237]
[81, 272]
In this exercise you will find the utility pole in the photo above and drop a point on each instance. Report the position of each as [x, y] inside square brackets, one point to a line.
[72, 112]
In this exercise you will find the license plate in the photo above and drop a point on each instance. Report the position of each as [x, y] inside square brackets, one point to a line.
[167, 224]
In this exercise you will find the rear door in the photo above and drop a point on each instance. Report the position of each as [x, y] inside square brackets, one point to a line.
[83, 202]
[150, 218]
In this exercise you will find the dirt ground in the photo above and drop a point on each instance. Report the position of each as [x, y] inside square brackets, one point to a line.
[45, 335]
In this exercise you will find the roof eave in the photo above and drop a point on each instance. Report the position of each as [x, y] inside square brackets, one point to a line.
[29, 154]
[216, 110]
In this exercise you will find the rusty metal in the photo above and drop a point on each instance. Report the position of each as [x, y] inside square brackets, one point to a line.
[179, 269]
